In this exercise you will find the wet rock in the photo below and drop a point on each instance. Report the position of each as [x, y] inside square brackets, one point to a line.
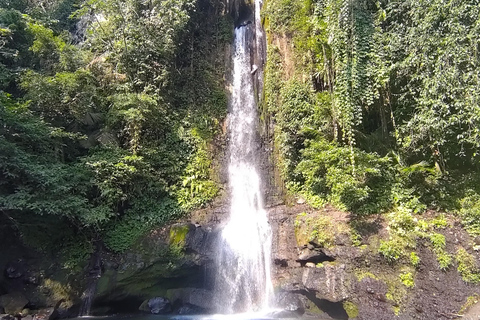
[157, 305]
[13, 303]
[329, 282]
[46, 314]
[190, 309]
[192, 296]
[290, 302]
[6, 317]
[14, 270]
[25, 312]
[33, 279]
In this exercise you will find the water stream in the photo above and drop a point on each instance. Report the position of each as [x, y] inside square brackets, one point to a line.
[243, 282]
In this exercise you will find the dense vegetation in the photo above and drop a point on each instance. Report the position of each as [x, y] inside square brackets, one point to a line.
[107, 113]
[376, 103]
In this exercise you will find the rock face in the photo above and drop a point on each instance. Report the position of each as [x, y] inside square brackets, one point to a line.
[175, 263]
[317, 268]
[13, 303]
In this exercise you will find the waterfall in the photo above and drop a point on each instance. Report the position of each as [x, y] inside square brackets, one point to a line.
[87, 298]
[94, 273]
[243, 282]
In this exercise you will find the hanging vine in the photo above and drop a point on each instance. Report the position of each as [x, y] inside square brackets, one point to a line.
[351, 29]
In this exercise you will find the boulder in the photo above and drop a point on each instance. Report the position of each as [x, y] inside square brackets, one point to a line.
[290, 303]
[13, 303]
[157, 305]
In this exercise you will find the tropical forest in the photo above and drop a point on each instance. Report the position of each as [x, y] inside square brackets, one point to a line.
[300, 159]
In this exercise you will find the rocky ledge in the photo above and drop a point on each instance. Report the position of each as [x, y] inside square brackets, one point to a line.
[326, 264]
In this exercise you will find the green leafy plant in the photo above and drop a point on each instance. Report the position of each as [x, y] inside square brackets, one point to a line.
[444, 260]
[438, 241]
[467, 266]
[407, 279]
[414, 259]
[392, 250]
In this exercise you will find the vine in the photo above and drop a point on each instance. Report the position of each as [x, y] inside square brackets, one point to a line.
[351, 29]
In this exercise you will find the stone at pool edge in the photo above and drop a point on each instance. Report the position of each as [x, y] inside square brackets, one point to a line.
[157, 305]
[13, 303]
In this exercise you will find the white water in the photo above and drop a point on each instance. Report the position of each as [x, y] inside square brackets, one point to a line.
[243, 283]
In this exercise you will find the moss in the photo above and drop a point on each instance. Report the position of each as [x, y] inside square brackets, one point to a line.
[397, 292]
[351, 309]
[361, 274]
[58, 291]
[396, 310]
[320, 229]
[106, 282]
[178, 235]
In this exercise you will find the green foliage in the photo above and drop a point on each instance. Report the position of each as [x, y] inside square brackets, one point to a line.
[116, 135]
[414, 259]
[393, 82]
[124, 234]
[440, 74]
[75, 253]
[401, 221]
[197, 188]
[444, 260]
[467, 266]
[470, 213]
[438, 241]
[407, 279]
[322, 232]
[393, 249]
[325, 170]
[146, 213]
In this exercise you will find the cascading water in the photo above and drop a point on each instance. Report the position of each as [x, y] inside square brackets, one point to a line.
[243, 282]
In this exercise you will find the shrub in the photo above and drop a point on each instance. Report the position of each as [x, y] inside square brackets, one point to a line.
[470, 213]
[392, 250]
[438, 241]
[467, 266]
[444, 260]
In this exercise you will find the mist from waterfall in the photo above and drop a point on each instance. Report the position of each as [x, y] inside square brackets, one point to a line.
[243, 282]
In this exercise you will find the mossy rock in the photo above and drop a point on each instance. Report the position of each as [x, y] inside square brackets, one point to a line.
[178, 234]
[351, 309]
